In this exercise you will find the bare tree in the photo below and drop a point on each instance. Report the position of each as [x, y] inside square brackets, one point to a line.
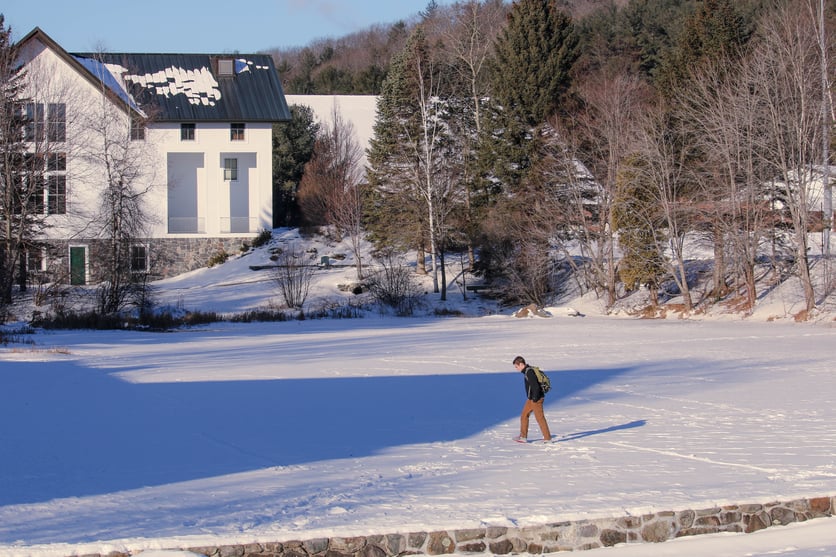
[116, 149]
[14, 183]
[720, 114]
[36, 149]
[292, 276]
[469, 37]
[663, 176]
[604, 133]
[786, 60]
[331, 189]
[825, 47]
[412, 163]
[429, 145]
[393, 283]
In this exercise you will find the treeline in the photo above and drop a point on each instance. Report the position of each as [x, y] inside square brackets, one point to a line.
[595, 139]
[636, 32]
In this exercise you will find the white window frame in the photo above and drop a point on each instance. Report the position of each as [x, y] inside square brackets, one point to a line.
[147, 265]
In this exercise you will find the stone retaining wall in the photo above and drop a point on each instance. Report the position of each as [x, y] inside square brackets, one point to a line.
[548, 538]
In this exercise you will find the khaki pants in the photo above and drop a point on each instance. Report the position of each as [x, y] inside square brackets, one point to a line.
[537, 408]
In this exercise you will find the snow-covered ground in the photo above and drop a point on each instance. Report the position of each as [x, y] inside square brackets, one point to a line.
[234, 433]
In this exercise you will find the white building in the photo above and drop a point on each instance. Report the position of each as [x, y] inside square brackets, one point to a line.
[192, 131]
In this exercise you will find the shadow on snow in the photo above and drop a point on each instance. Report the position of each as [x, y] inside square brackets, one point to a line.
[582, 434]
[71, 431]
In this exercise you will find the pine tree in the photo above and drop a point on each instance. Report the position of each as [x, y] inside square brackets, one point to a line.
[717, 28]
[393, 217]
[530, 77]
[293, 145]
[532, 60]
[636, 219]
[651, 28]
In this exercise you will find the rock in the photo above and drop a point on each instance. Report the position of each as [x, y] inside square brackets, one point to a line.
[532, 310]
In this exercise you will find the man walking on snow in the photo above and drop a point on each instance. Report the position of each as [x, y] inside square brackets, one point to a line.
[534, 402]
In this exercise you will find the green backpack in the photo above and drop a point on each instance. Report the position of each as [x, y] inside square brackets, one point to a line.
[543, 379]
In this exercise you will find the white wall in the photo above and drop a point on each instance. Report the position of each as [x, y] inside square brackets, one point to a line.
[215, 204]
[360, 110]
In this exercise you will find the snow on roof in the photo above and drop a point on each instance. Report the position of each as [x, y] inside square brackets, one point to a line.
[243, 65]
[105, 73]
[197, 85]
[194, 87]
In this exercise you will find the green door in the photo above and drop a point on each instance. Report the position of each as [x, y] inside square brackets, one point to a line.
[78, 258]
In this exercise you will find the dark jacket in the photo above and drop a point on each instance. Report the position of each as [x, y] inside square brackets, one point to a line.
[532, 385]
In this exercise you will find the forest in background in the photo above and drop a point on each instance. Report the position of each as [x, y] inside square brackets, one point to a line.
[589, 139]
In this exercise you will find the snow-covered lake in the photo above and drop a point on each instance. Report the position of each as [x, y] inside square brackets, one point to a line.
[233, 433]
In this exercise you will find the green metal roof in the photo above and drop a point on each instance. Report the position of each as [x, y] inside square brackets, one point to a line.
[193, 87]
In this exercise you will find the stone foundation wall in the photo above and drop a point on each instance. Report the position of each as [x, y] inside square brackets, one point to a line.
[168, 256]
[173, 256]
[548, 538]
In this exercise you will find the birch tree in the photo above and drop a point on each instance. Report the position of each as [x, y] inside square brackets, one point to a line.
[474, 26]
[787, 59]
[410, 157]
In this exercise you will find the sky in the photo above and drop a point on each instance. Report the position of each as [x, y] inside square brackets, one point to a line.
[245, 26]
[245, 432]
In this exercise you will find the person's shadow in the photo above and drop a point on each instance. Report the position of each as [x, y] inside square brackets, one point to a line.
[581, 434]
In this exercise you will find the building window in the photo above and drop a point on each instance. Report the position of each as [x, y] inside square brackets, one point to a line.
[236, 132]
[28, 186]
[35, 194]
[34, 129]
[137, 128]
[56, 162]
[49, 124]
[57, 122]
[57, 194]
[139, 258]
[35, 260]
[187, 132]
[231, 170]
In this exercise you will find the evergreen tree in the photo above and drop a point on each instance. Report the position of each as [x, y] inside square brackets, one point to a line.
[530, 78]
[636, 219]
[393, 216]
[293, 146]
[716, 29]
[652, 28]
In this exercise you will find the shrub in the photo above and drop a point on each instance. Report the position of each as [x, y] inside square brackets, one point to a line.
[217, 259]
[293, 275]
[394, 285]
[263, 238]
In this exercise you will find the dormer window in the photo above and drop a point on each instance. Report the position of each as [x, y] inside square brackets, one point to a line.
[226, 67]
